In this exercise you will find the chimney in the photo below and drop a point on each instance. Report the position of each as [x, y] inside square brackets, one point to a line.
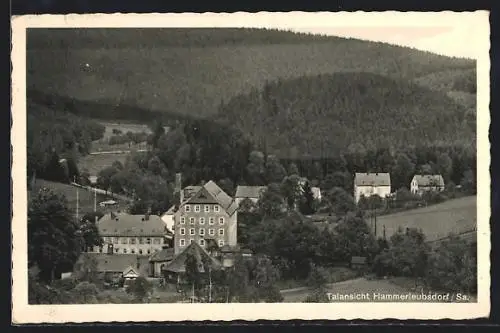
[146, 216]
[178, 187]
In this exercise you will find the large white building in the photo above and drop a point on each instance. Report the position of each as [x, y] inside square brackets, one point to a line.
[131, 234]
[205, 212]
[368, 184]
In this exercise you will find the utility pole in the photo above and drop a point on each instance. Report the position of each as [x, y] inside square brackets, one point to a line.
[95, 200]
[210, 285]
[77, 200]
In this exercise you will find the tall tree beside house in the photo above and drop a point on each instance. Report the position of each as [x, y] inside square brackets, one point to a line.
[402, 171]
[307, 205]
[444, 166]
[54, 236]
[89, 231]
[54, 170]
[339, 201]
[193, 276]
[272, 202]
[291, 190]
[226, 185]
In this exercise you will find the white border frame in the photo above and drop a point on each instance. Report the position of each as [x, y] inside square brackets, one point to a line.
[24, 313]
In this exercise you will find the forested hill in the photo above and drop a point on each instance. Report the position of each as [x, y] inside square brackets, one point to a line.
[191, 71]
[323, 115]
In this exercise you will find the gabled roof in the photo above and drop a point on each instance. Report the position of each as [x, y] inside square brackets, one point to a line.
[243, 191]
[429, 180]
[166, 254]
[178, 265]
[170, 211]
[372, 179]
[130, 271]
[211, 193]
[111, 262]
[131, 225]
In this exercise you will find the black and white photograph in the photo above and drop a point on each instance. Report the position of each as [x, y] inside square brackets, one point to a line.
[340, 159]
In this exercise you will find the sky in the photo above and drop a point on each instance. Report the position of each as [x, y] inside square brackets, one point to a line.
[456, 41]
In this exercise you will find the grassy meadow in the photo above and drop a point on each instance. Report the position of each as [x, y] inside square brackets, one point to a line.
[436, 221]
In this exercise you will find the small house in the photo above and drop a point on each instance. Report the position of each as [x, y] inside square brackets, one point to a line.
[249, 193]
[176, 269]
[159, 260]
[426, 183]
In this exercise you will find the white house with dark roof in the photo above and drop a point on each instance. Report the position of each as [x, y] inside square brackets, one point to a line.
[424, 183]
[252, 193]
[209, 213]
[131, 234]
[368, 184]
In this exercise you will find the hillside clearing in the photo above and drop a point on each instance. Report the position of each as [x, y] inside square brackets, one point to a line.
[95, 163]
[85, 198]
[436, 221]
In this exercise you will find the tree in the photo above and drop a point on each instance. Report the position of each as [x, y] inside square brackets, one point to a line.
[89, 231]
[317, 280]
[227, 186]
[292, 190]
[54, 238]
[444, 165]
[193, 276]
[355, 239]
[158, 131]
[453, 266]
[87, 268]
[271, 203]
[104, 177]
[54, 170]
[402, 171]
[339, 201]
[139, 288]
[293, 169]
[374, 201]
[406, 256]
[256, 168]
[275, 172]
[468, 182]
[85, 292]
[307, 206]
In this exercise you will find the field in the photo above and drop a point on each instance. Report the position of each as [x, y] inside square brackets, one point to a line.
[95, 163]
[436, 221]
[86, 198]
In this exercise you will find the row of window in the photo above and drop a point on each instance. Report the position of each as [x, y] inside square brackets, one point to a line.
[124, 250]
[132, 240]
[206, 208]
[201, 220]
[192, 231]
[182, 242]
